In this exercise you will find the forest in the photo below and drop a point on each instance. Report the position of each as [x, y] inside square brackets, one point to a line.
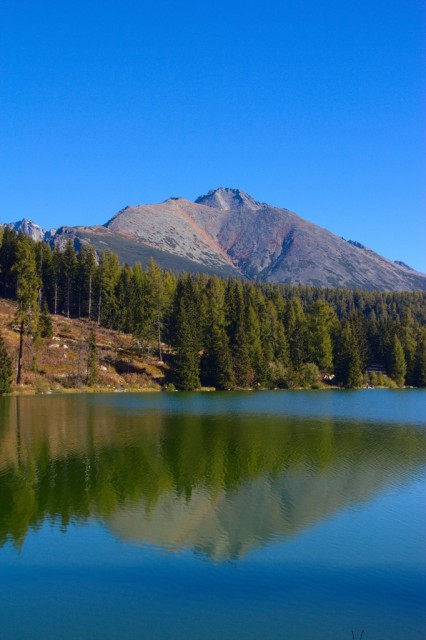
[215, 333]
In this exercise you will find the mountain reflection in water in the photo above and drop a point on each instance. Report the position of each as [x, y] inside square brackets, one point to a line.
[219, 484]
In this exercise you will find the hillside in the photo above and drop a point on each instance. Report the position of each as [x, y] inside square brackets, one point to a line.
[60, 363]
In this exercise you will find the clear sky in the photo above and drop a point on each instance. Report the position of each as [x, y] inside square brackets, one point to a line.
[312, 105]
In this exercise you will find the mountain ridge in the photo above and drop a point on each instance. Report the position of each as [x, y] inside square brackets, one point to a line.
[228, 232]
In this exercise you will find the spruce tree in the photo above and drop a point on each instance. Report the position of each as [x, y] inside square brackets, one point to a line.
[158, 301]
[419, 373]
[321, 322]
[108, 276]
[216, 362]
[45, 322]
[236, 314]
[296, 330]
[69, 276]
[347, 361]
[397, 367]
[185, 365]
[5, 368]
[27, 293]
[86, 273]
[7, 260]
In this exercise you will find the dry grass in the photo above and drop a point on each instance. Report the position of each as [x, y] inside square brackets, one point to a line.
[60, 363]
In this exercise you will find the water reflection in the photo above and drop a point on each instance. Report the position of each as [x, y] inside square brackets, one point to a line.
[218, 484]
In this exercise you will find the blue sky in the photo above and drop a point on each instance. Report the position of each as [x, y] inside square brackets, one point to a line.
[313, 105]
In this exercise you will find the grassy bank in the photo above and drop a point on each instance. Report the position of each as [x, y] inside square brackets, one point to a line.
[59, 363]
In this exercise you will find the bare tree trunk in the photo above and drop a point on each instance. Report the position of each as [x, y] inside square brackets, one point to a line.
[160, 355]
[68, 298]
[90, 296]
[99, 306]
[21, 348]
[56, 298]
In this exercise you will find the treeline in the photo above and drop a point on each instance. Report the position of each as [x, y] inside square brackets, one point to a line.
[223, 334]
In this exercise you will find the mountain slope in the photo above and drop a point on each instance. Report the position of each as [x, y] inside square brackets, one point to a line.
[227, 232]
[227, 226]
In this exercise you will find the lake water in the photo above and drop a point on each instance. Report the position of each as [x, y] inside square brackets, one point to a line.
[264, 515]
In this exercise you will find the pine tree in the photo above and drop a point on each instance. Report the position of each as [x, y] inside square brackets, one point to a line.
[108, 276]
[27, 293]
[419, 375]
[296, 330]
[43, 254]
[86, 274]
[124, 299]
[158, 301]
[347, 362]
[321, 322]
[235, 307]
[5, 368]
[92, 360]
[68, 276]
[216, 362]
[56, 268]
[7, 260]
[45, 322]
[185, 365]
[397, 367]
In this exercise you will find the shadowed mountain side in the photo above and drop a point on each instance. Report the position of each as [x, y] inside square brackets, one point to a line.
[131, 249]
[219, 484]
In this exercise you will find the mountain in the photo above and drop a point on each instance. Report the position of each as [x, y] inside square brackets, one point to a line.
[28, 227]
[227, 232]
[262, 242]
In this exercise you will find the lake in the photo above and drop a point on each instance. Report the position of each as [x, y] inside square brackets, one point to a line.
[256, 515]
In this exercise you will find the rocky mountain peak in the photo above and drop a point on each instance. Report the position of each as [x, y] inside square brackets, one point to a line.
[226, 198]
[28, 227]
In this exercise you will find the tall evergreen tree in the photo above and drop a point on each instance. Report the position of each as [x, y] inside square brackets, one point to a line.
[45, 322]
[158, 301]
[27, 292]
[296, 330]
[397, 367]
[7, 261]
[185, 365]
[124, 300]
[86, 275]
[216, 362]
[321, 323]
[69, 276]
[56, 268]
[108, 276]
[236, 326]
[347, 362]
[419, 369]
[5, 369]
[44, 266]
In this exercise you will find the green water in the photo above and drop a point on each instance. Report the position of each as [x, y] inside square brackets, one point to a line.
[225, 515]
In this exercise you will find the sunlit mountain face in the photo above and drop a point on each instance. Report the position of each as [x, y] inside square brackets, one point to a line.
[227, 232]
[219, 483]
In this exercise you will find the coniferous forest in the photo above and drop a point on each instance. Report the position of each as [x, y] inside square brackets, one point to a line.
[225, 334]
